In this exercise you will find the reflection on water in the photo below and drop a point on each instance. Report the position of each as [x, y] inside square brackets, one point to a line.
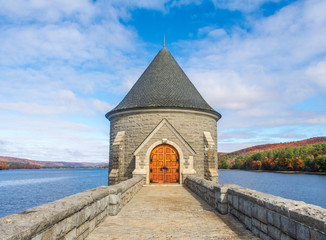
[31, 181]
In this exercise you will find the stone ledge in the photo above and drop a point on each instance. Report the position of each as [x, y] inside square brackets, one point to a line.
[124, 186]
[62, 216]
[203, 182]
[27, 223]
[308, 214]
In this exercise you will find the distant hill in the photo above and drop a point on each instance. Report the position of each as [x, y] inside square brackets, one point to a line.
[305, 155]
[273, 146]
[49, 164]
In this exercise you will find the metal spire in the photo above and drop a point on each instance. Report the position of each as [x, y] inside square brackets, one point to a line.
[164, 41]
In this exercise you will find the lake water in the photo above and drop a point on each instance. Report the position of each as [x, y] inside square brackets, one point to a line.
[24, 189]
[302, 187]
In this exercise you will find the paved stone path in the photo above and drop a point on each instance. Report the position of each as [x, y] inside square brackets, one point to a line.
[169, 212]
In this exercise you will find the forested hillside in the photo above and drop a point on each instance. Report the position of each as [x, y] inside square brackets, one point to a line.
[266, 147]
[23, 163]
[310, 157]
[17, 165]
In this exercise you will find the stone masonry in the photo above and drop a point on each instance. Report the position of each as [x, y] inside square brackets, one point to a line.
[191, 125]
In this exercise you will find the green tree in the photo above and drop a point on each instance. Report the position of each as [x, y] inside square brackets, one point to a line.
[321, 162]
[238, 163]
[223, 164]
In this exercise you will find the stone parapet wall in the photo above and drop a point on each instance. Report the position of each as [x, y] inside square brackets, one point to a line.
[267, 216]
[73, 217]
[214, 194]
[203, 188]
[272, 217]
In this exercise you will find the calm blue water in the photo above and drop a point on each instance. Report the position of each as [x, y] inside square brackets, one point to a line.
[24, 189]
[302, 187]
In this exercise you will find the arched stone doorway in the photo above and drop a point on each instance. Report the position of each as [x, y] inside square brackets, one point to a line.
[164, 165]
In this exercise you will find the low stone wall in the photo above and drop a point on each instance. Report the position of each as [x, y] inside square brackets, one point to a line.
[214, 194]
[73, 217]
[267, 216]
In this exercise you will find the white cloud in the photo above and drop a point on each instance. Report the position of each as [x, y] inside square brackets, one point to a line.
[179, 3]
[255, 78]
[65, 42]
[57, 103]
[317, 119]
[152, 4]
[101, 106]
[227, 90]
[59, 63]
[263, 69]
[317, 74]
[46, 11]
[241, 5]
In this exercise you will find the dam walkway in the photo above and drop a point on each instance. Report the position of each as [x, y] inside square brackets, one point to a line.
[169, 212]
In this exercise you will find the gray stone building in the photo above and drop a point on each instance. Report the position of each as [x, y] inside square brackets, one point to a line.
[163, 129]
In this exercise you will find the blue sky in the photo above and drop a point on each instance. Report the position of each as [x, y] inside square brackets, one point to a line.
[64, 64]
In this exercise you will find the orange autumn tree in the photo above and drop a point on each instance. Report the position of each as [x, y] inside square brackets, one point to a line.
[4, 166]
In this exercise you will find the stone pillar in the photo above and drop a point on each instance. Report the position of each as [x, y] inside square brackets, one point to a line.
[139, 168]
[116, 168]
[188, 168]
[210, 157]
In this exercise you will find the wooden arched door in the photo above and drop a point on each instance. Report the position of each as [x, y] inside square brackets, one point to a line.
[164, 166]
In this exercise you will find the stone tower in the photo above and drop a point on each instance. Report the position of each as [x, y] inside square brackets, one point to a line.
[163, 129]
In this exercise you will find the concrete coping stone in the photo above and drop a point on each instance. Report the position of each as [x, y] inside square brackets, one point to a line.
[203, 182]
[223, 188]
[308, 214]
[28, 223]
[311, 215]
[125, 185]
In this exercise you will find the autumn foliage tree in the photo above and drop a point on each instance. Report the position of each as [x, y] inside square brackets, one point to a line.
[15, 165]
[4, 166]
[302, 158]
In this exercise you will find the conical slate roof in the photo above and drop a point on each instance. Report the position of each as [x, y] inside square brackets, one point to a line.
[163, 85]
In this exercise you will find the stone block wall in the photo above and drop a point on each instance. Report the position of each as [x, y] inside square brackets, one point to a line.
[203, 188]
[272, 217]
[267, 216]
[73, 217]
[216, 195]
[139, 124]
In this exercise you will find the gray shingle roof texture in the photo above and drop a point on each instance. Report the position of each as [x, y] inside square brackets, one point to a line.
[163, 85]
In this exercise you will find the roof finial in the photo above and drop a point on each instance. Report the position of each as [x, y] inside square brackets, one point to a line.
[164, 41]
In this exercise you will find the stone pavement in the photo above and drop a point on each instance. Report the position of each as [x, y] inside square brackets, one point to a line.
[169, 212]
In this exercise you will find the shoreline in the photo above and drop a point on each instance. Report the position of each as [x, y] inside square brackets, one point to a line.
[53, 168]
[291, 172]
